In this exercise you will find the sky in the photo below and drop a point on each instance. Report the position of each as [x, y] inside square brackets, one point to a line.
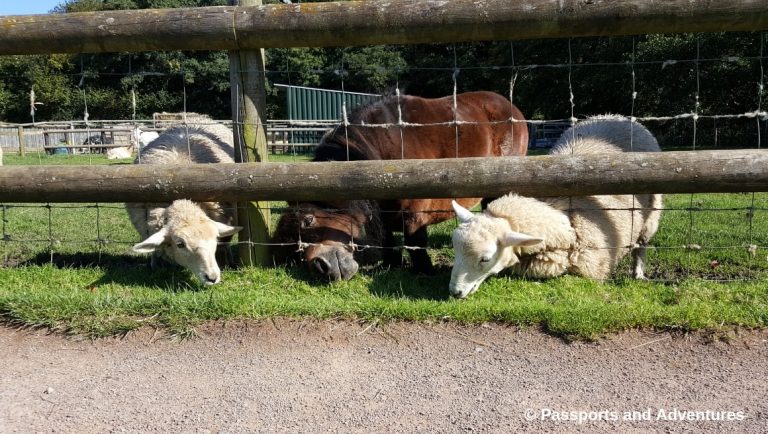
[26, 7]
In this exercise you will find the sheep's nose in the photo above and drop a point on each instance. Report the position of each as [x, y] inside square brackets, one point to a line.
[454, 292]
[210, 279]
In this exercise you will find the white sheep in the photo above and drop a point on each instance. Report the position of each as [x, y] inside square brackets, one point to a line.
[187, 232]
[120, 153]
[139, 139]
[548, 237]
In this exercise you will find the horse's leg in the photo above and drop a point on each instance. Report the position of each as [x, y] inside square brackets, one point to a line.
[391, 257]
[224, 256]
[421, 263]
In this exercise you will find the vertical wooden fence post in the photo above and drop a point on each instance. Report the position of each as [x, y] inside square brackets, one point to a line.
[22, 144]
[47, 143]
[248, 81]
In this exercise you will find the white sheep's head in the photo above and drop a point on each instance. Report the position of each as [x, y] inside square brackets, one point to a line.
[190, 238]
[483, 245]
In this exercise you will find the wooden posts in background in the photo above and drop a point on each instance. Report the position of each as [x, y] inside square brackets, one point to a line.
[247, 80]
[22, 143]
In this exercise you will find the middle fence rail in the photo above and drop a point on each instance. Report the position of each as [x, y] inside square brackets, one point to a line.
[623, 173]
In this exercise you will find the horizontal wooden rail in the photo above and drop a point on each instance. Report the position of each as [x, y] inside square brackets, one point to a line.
[298, 129]
[87, 131]
[106, 146]
[668, 172]
[368, 23]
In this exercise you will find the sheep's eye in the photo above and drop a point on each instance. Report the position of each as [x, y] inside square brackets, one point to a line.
[180, 244]
[485, 259]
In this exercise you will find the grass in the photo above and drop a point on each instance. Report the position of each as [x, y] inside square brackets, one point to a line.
[37, 158]
[78, 276]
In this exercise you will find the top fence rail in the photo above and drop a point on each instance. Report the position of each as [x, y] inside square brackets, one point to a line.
[368, 23]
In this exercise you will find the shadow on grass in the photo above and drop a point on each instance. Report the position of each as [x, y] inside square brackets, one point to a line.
[388, 282]
[299, 272]
[122, 270]
[402, 283]
[85, 260]
[440, 240]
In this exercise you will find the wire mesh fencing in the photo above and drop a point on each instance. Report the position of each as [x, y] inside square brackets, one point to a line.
[693, 92]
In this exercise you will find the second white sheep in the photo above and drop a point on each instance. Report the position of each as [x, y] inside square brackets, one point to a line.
[548, 237]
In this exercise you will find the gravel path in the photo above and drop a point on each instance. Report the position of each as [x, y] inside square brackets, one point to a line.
[291, 376]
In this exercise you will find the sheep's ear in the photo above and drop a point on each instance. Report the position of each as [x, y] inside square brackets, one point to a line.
[513, 238]
[152, 242]
[463, 214]
[227, 230]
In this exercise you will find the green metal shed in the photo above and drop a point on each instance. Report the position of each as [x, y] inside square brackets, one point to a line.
[314, 104]
[307, 104]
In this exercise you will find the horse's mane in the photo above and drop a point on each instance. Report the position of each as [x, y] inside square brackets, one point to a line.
[352, 143]
[342, 144]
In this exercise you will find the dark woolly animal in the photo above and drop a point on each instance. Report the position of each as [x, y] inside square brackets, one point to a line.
[485, 126]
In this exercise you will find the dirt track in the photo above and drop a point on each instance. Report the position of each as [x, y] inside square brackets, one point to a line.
[343, 377]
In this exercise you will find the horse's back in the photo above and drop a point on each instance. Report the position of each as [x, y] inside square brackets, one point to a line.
[495, 119]
[474, 124]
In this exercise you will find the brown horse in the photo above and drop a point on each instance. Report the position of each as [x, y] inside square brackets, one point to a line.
[481, 124]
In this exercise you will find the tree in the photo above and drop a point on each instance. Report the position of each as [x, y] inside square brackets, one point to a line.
[373, 69]
[50, 78]
[107, 83]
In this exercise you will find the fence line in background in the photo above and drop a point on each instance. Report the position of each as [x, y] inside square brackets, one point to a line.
[281, 134]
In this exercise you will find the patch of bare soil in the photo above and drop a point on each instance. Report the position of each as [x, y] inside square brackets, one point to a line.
[309, 376]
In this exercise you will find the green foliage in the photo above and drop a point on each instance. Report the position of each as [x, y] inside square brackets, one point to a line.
[98, 5]
[71, 6]
[162, 81]
[48, 75]
[373, 69]
[296, 66]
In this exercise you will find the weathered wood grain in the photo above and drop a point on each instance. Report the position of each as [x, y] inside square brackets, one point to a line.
[249, 108]
[668, 172]
[368, 22]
